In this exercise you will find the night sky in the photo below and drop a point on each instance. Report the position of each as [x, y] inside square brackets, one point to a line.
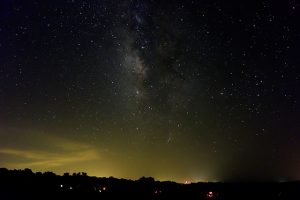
[204, 90]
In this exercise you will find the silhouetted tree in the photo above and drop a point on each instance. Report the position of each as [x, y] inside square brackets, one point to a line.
[66, 174]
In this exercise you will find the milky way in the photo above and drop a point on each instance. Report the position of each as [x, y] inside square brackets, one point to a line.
[181, 90]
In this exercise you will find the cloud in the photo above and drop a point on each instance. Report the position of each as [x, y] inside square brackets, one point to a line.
[46, 159]
[46, 152]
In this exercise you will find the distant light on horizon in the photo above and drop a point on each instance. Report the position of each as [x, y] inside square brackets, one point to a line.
[183, 91]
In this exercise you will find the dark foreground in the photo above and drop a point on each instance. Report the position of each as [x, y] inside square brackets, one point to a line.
[23, 184]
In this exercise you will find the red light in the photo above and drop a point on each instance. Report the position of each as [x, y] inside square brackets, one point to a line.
[210, 194]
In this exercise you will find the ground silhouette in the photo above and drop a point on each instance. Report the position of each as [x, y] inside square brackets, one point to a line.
[24, 184]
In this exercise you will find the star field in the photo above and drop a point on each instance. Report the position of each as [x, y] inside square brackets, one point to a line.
[180, 90]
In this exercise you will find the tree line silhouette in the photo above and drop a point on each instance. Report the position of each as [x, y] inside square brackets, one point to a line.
[25, 184]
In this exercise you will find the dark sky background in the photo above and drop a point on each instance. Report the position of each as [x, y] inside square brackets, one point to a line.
[202, 90]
